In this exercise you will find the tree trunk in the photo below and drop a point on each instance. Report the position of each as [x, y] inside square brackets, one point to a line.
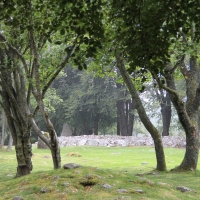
[187, 111]
[10, 142]
[14, 105]
[122, 118]
[3, 133]
[160, 157]
[166, 114]
[190, 159]
[23, 150]
[130, 116]
[96, 125]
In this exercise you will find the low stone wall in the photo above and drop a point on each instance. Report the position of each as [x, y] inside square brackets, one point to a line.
[98, 140]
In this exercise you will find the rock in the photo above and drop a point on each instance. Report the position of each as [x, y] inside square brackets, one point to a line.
[9, 175]
[43, 190]
[144, 163]
[139, 174]
[66, 184]
[41, 144]
[66, 131]
[121, 190]
[183, 189]
[139, 191]
[106, 186]
[18, 198]
[71, 166]
[124, 198]
[150, 182]
[55, 178]
[164, 184]
[82, 142]
[114, 140]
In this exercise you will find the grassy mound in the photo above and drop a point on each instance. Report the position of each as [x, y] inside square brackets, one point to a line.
[106, 173]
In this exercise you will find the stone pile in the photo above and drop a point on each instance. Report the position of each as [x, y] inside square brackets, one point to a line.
[110, 140]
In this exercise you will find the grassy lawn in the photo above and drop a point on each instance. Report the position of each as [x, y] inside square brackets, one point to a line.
[128, 170]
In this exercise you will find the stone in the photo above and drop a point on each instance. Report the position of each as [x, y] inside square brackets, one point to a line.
[56, 178]
[144, 163]
[40, 143]
[82, 142]
[164, 184]
[18, 198]
[106, 186]
[66, 184]
[43, 190]
[66, 130]
[114, 140]
[183, 189]
[122, 190]
[71, 166]
[139, 191]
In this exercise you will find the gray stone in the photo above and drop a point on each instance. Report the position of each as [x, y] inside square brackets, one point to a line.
[82, 142]
[139, 191]
[114, 140]
[183, 189]
[55, 178]
[164, 184]
[41, 144]
[121, 190]
[144, 163]
[71, 166]
[43, 190]
[106, 186]
[18, 198]
[66, 131]
[66, 184]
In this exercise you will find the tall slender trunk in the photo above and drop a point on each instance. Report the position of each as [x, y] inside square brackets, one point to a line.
[160, 157]
[165, 104]
[96, 125]
[10, 142]
[3, 132]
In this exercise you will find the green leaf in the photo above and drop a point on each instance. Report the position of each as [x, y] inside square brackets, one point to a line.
[62, 31]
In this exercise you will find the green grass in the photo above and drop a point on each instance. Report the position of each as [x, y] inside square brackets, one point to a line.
[120, 167]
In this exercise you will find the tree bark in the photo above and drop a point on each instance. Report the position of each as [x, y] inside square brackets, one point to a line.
[165, 104]
[96, 125]
[3, 133]
[10, 142]
[187, 111]
[160, 157]
[14, 105]
[125, 117]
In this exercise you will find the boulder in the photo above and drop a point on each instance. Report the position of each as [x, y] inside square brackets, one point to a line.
[66, 131]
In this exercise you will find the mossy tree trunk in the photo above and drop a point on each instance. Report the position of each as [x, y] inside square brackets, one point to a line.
[187, 110]
[14, 104]
[160, 156]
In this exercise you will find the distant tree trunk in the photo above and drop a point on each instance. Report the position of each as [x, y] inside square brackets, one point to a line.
[166, 115]
[122, 118]
[130, 116]
[3, 133]
[165, 104]
[96, 126]
[160, 157]
[125, 117]
[10, 142]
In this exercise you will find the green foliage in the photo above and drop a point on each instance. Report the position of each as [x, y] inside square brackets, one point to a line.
[87, 99]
